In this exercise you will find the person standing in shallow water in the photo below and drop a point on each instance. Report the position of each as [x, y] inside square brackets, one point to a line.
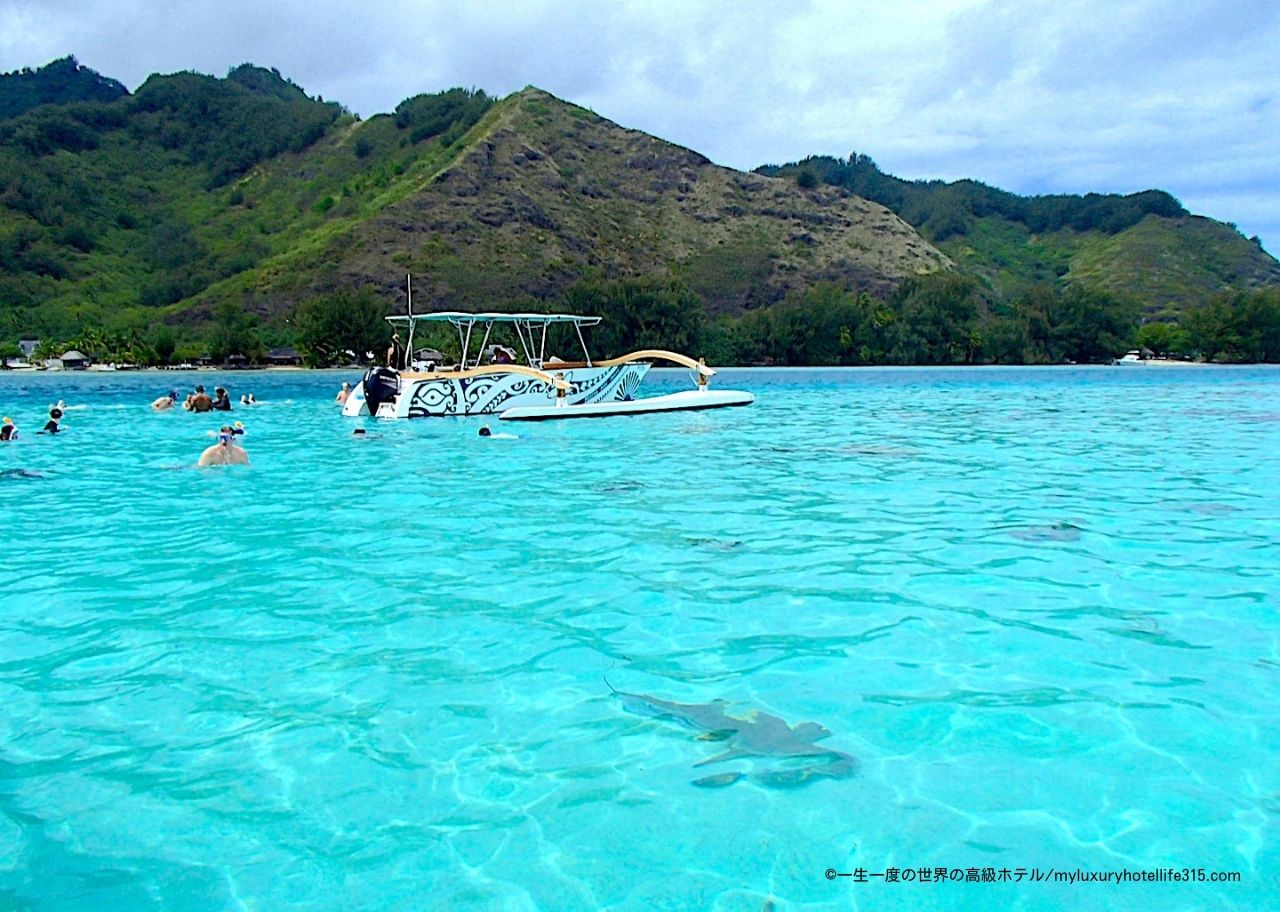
[198, 401]
[226, 451]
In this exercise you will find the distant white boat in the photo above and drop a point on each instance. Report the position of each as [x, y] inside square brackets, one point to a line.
[1131, 357]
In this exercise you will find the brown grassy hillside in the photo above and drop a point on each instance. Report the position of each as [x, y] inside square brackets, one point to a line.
[545, 193]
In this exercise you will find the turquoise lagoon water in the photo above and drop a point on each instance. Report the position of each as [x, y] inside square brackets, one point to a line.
[1038, 606]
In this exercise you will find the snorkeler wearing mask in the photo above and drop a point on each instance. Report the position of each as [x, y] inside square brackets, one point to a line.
[226, 451]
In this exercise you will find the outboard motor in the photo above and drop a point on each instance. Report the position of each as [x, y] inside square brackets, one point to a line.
[381, 384]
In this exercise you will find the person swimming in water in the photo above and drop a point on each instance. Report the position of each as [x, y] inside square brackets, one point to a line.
[51, 426]
[198, 401]
[226, 451]
[486, 432]
[221, 402]
[165, 402]
[8, 430]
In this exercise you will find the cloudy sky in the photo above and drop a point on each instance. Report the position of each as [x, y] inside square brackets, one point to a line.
[1033, 96]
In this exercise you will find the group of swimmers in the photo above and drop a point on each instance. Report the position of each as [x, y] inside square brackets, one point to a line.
[9, 428]
[200, 401]
[227, 451]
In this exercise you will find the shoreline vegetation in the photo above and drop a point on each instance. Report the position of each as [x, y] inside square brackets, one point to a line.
[934, 319]
[25, 368]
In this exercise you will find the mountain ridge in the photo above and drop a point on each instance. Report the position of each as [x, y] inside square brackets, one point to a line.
[1141, 244]
[196, 194]
[544, 180]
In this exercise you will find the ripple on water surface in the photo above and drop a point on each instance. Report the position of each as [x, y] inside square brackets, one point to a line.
[620, 664]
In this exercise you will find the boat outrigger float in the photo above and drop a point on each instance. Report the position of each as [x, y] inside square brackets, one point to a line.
[539, 389]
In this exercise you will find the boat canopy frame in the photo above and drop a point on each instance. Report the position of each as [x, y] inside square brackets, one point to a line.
[530, 329]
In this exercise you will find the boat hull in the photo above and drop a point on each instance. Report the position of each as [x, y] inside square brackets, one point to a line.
[457, 395]
[689, 400]
[1128, 358]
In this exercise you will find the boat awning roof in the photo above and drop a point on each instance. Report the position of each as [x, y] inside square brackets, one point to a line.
[458, 318]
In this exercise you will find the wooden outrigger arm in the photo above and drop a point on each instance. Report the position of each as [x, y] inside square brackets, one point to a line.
[662, 355]
[704, 372]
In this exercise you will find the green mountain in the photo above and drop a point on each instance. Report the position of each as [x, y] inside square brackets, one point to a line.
[197, 191]
[206, 206]
[540, 194]
[1143, 245]
[109, 211]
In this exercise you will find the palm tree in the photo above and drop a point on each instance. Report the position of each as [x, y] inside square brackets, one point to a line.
[93, 342]
[47, 349]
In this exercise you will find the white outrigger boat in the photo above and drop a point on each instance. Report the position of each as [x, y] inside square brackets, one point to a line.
[542, 388]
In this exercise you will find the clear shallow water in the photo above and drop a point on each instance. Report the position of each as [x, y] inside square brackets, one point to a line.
[1038, 606]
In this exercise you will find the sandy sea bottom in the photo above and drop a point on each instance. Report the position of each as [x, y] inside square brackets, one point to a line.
[1028, 615]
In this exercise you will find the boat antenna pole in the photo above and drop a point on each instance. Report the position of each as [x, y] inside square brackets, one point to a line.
[582, 341]
[408, 282]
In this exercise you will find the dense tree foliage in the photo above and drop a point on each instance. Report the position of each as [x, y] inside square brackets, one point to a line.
[235, 332]
[446, 115]
[940, 210]
[121, 209]
[1164, 339]
[827, 326]
[1237, 327]
[228, 125]
[937, 318]
[268, 83]
[638, 314]
[60, 82]
[57, 211]
[931, 319]
[69, 128]
[1090, 326]
[940, 320]
[934, 319]
[328, 327]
